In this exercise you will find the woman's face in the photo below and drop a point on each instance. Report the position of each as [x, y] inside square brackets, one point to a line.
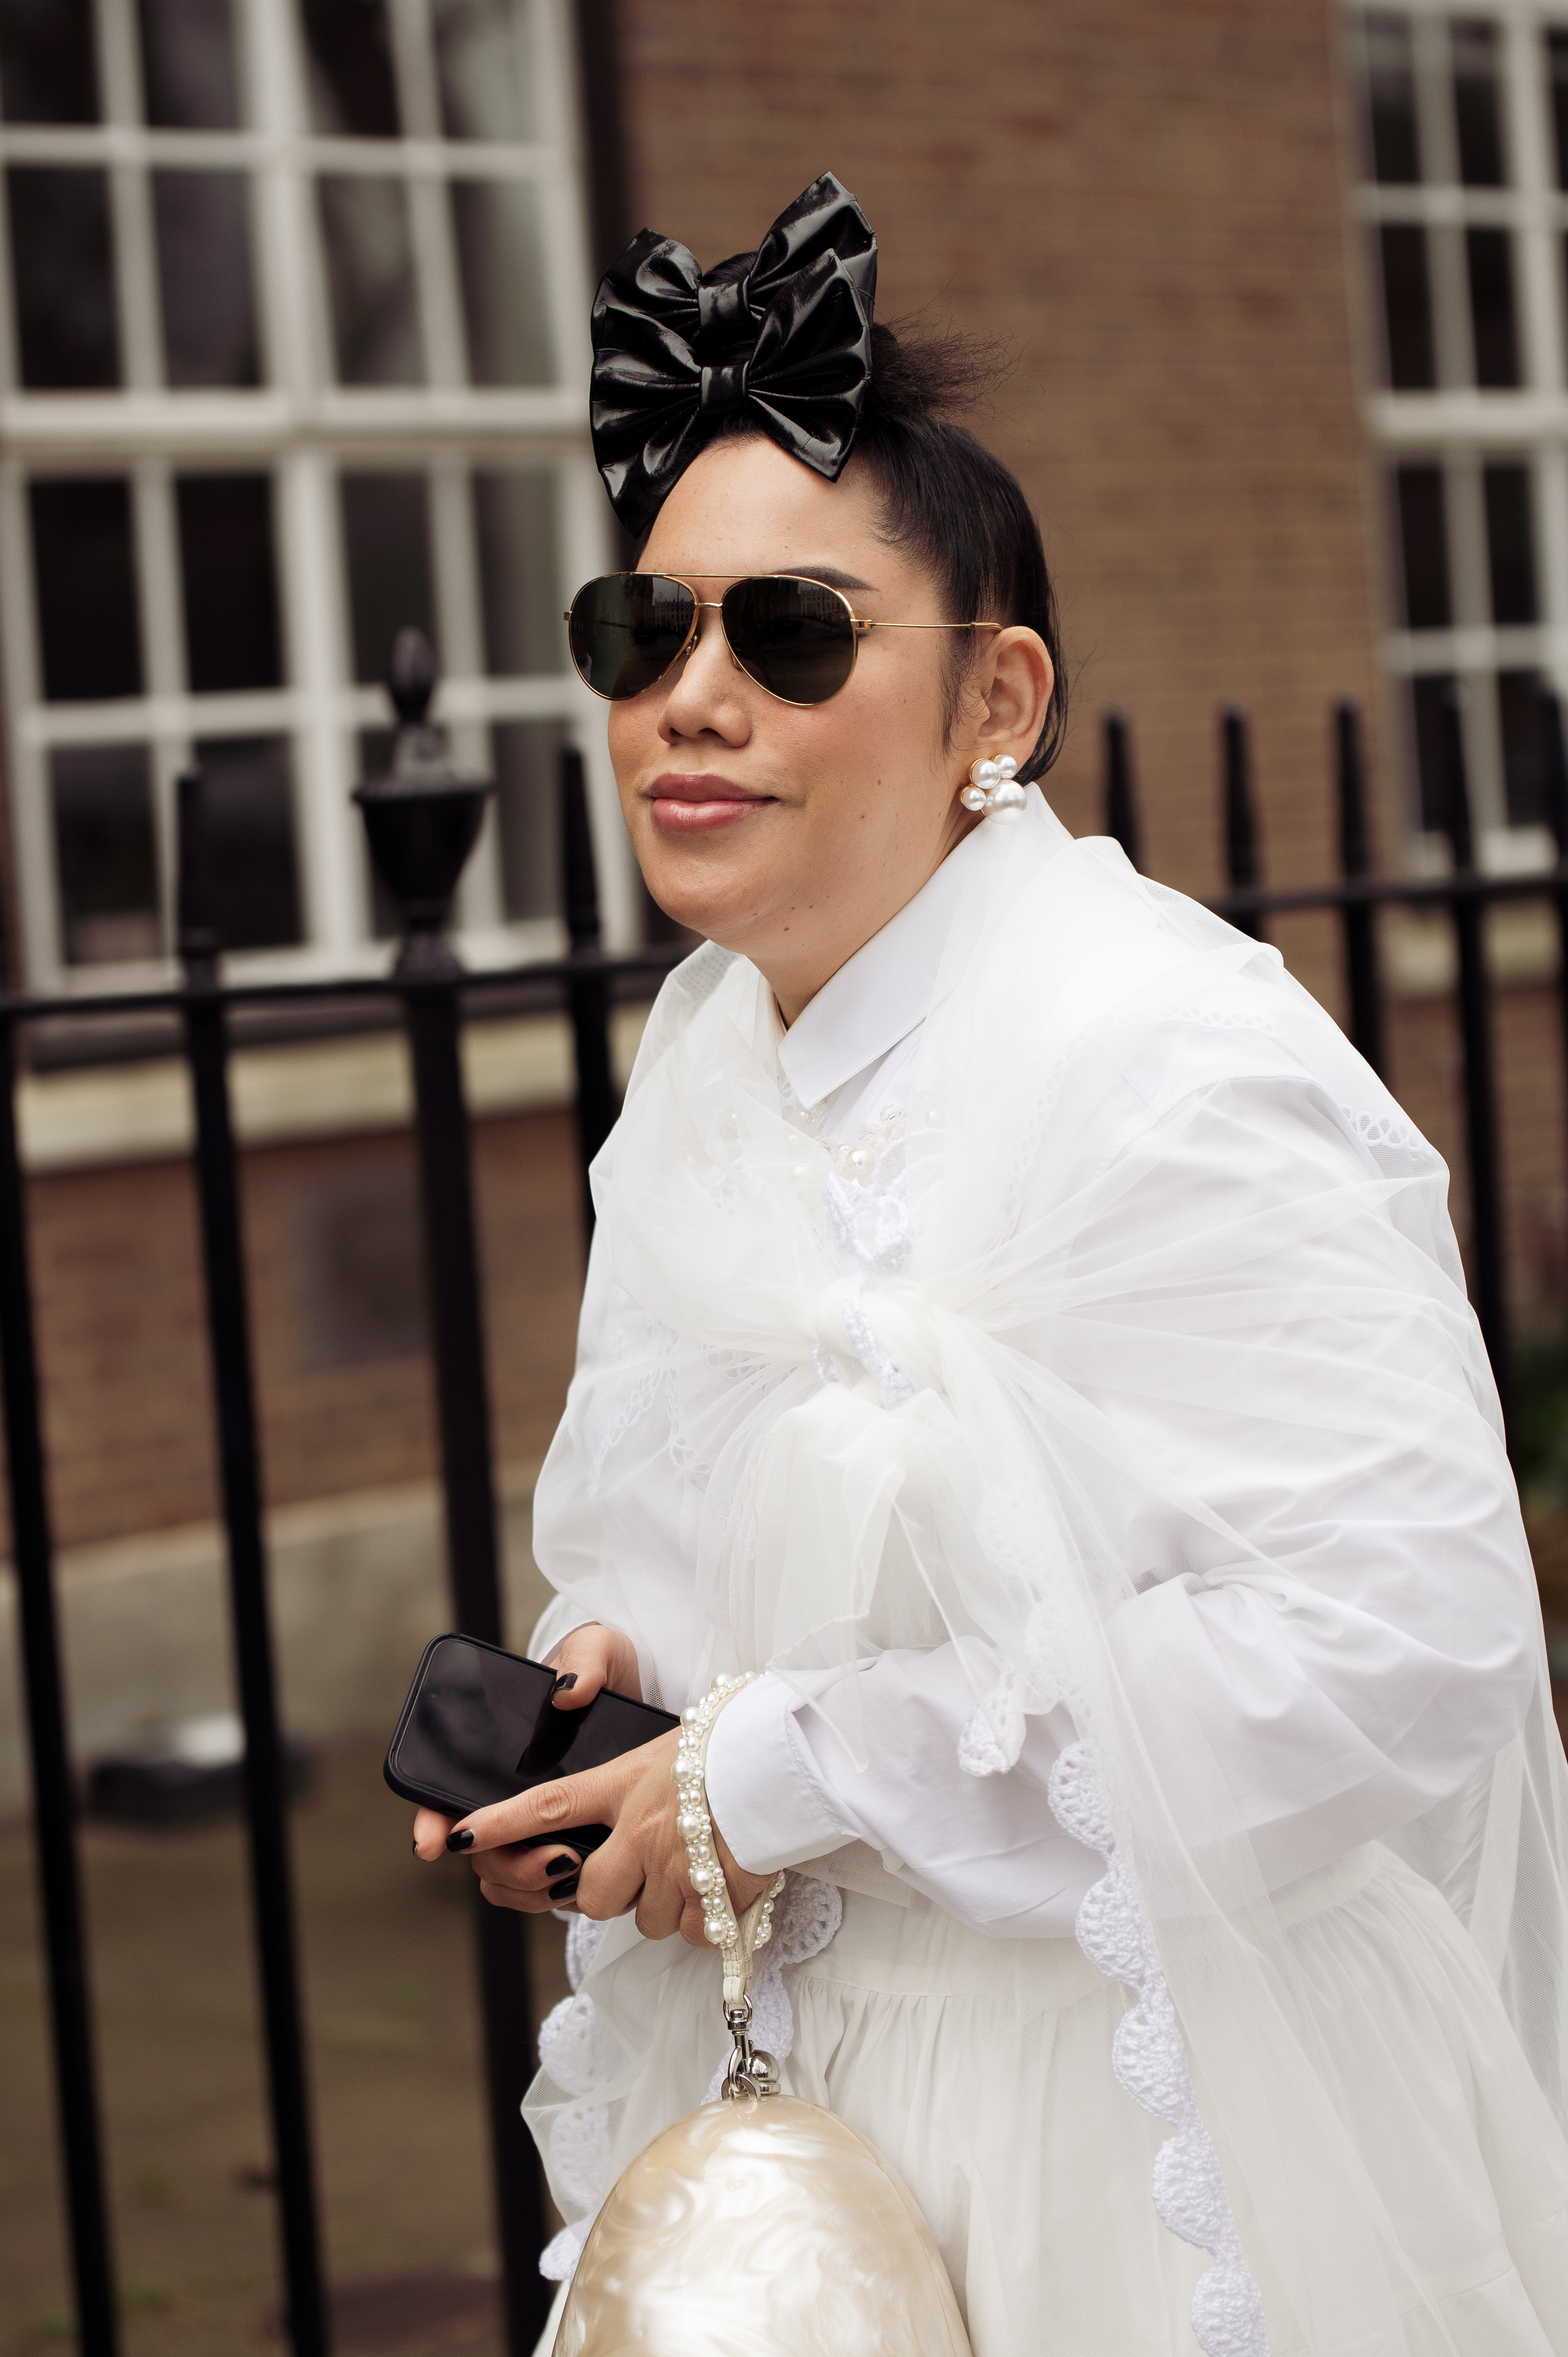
[794, 833]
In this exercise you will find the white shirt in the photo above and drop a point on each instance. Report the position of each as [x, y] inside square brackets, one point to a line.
[1332, 1725]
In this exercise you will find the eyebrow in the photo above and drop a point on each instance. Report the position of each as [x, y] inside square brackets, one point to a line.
[831, 577]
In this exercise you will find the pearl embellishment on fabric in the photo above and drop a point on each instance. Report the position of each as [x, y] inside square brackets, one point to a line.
[993, 790]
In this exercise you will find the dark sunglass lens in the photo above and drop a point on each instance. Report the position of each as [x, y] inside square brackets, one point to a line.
[795, 638]
[627, 629]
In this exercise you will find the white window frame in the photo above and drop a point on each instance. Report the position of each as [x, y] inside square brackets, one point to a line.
[302, 427]
[1460, 428]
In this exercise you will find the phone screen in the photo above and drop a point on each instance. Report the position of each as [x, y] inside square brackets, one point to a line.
[481, 1727]
[472, 1721]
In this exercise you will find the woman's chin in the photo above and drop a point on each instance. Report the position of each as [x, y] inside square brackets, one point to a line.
[710, 883]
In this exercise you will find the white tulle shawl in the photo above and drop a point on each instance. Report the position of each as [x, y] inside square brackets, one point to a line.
[881, 1394]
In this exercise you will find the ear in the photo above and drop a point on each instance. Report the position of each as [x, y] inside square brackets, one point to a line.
[1005, 699]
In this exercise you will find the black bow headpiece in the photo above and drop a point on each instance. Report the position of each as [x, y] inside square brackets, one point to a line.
[784, 333]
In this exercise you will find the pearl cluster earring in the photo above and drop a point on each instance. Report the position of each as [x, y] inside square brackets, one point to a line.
[993, 790]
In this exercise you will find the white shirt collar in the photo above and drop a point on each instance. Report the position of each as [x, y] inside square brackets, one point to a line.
[880, 994]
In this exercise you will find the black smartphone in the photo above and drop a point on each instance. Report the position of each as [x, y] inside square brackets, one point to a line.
[478, 1727]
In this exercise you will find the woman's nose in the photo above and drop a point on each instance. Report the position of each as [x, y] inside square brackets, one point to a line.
[707, 693]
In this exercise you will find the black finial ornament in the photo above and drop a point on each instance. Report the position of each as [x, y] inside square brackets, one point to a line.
[422, 819]
[411, 676]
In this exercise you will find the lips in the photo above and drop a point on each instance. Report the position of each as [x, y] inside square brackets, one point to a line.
[685, 805]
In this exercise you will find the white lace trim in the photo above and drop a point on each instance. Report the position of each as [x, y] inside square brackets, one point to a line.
[993, 1733]
[558, 2259]
[1149, 2058]
[1385, 1129]
[579, 2140]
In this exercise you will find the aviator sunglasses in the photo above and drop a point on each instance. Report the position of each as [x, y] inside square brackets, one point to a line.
[796, 638]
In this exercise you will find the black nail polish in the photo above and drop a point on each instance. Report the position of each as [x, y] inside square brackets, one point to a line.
[565, 1891]
[567, 1865]
[565, 1685]
[464, 1840]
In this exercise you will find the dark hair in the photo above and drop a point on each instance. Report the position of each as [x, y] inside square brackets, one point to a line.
[953, 506]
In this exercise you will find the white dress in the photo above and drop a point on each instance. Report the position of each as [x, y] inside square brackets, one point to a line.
[1346, 1614]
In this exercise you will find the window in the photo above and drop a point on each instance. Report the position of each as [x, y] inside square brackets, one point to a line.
[1463, 199]
[293, 349]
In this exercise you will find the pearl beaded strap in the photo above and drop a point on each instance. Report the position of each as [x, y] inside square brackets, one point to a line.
[737, 1938]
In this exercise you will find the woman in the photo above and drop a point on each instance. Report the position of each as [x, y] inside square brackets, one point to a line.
[1021, 1330]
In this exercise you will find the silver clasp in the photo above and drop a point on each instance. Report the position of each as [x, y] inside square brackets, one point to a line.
[749, 2072]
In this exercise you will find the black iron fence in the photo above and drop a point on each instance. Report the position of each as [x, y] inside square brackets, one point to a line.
[425, 828]
[435, 813]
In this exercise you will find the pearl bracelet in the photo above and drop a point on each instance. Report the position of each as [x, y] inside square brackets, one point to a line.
[737, 1939]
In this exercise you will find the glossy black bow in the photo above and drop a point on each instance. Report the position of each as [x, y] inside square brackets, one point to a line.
[784, 332]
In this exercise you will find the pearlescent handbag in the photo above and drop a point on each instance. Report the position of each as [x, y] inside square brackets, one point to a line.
[757, 2226]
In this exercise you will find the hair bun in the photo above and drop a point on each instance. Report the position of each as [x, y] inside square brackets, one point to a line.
[916, 374]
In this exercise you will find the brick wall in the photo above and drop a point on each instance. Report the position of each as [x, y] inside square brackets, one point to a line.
[1145, 201]
[344, 1382]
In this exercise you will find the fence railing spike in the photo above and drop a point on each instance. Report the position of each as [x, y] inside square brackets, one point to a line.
[588, 996]
[72, 2037]
[1490, 1286]
[307, 2318]
[1363, 985]
[196, 918]
[1456, 821]
[1242, 855]
[1121, 796]
[1554, 774]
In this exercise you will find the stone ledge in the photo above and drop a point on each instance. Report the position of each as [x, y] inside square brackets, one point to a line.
[322, 1088]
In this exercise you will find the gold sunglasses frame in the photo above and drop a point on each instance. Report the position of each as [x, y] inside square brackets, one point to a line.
[715, 605]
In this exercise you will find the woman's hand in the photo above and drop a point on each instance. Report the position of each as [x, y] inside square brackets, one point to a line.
[643, 1865]
[591, 1657]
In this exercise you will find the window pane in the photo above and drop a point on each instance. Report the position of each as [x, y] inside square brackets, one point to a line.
[189, 76]
[370, 267]
[1557, 66]
[386, 538]
[528, 807]
[250, 813]
[485, 91]
[1390, 101]
[1423, 545]
[105, 852]
[61, 261]
[1524, 766]
[514, 517]
[1510, 545]
[496, 223]
[352, 87]
[1431, 698]
[204, 278]
[1478, 104]
[84, 571]
[1407, 307]
[232, 638]
[49, 61]
[1489, 254]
